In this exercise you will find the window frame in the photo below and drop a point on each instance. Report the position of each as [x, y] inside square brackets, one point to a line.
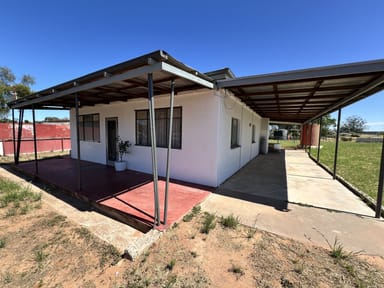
[94, 127]
[147, 133]
[235, 133]
[253, 133]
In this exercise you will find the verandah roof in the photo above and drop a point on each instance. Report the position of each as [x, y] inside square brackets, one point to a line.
[120, 82]
[303, 95]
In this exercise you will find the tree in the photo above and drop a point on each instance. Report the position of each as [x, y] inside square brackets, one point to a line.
[327, 125]
[10, 89]
[353, 124]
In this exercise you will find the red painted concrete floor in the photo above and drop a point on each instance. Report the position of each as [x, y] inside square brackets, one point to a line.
[130, 192]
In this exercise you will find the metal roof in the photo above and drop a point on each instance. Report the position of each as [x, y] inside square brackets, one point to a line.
[120, 82]
[302, 95]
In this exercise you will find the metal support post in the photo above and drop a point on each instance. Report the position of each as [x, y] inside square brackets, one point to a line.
[34, 140]
[310, 138]
[337, 144]
[318, 143]
[19, 135]
[380, 186]
[172, 96]
[14, 135]
[151, 104]
[304, 129]
[78, 163]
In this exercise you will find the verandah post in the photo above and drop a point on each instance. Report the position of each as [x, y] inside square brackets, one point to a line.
[171, 101]
[34, 139]
[151, 104]
[78, 167]
[337, 144]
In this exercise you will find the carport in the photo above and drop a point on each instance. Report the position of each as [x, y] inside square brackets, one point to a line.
[304, 96]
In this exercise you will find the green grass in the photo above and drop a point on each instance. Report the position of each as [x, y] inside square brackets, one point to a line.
[286, 144]
[358, 163]
[20, 197]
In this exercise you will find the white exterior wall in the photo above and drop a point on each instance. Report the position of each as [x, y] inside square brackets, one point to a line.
[196, 161]
[232, 159]
[206, 156]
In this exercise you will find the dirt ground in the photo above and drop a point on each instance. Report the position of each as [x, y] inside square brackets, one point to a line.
[41, 248]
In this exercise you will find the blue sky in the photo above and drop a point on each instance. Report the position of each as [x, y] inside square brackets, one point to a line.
[56, 41]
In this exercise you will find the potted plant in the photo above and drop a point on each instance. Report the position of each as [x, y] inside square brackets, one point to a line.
[122, 149]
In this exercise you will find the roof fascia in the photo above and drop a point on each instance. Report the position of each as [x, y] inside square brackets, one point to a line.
[107, 80]
[186, 75]
[294, 75]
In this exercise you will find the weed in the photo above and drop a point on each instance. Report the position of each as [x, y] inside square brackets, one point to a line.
[337, 250]
[11, 212]
[175, 225]
[299, 268]
[25, 209]
[171, 281]
[7, 278]
[170, 265]
[236, 269]
[230, 221]
[195, 210]
[209, 223]
[251, 232]
[56, 220]
[40, 256]
[36, 197]
[109, 252]
[188, 217]
[84, 233]
[3, 242]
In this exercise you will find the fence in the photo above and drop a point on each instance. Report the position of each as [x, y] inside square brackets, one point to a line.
[52, 144]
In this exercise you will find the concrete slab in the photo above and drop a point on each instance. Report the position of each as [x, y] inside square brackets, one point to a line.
[314, 220]
[309, 184]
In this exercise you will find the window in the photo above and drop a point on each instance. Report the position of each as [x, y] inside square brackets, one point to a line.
[89, 127]
[143, 133]
[235, 133]
[253, 133]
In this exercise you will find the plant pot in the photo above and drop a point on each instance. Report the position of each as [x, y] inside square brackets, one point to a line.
[120, 165]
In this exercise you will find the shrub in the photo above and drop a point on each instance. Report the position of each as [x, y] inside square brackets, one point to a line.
[209, 223]
[230, 221]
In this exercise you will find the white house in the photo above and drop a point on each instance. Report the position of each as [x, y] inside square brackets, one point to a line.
[214, 134]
